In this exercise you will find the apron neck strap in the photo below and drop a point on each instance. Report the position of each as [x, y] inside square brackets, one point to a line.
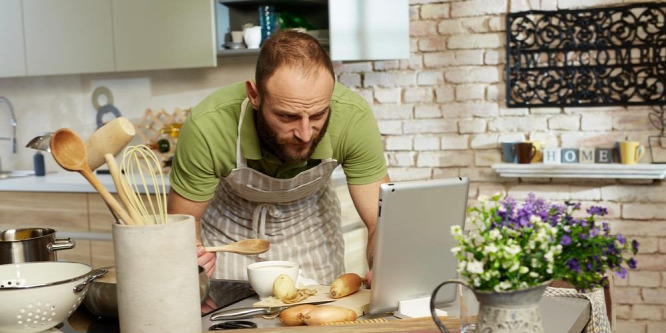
[240, 160]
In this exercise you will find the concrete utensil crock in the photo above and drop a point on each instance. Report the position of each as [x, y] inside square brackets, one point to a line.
[156, 273]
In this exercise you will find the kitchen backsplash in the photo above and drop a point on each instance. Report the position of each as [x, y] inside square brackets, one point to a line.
[43, 104]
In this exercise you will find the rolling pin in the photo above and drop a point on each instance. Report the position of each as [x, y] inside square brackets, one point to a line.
[108, 139]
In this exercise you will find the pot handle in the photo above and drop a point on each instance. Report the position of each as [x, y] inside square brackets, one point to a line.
[433, 313]
[61, 244]
[93, 275]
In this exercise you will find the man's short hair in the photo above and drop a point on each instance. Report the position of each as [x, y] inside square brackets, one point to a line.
[294, 49]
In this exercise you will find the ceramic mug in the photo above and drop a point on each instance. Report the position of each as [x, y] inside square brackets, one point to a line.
[538, 146]
[237, 36]
[252, 36]
[509, 152]
[630, 152]
[525, 152]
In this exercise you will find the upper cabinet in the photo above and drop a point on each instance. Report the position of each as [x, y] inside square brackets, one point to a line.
[48, 37]
[12, 52]
[68, 36]
[164, 34]
[369, 29]
[353, 30]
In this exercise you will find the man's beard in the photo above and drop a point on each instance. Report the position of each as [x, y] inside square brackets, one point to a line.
[270, 141]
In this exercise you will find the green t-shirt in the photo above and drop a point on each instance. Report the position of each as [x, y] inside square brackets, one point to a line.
[206, 147]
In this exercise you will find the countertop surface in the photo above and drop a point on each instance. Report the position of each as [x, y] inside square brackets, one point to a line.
[62, 182]
[74, 182]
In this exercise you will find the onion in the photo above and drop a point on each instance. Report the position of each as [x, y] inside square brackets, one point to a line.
[328, 314]
[346, 284]
[284, 287]
[295, 315]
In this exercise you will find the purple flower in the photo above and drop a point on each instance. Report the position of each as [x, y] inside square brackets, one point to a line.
[583, 236]
[632, 263]
[596, 210]
[621, 239]
[634, 246]
[606, 228]
[622, 272]
[589, 266]
[573, 265]
[566, 240]
[594, 232]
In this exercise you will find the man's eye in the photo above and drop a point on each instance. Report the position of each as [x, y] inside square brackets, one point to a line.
[287, 117]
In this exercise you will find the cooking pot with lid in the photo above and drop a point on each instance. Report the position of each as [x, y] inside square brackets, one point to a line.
[31, 244]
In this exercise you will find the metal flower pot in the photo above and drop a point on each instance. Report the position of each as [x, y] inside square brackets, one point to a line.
[31, 244]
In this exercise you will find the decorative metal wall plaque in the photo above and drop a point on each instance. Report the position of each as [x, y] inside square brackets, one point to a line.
[589, 57]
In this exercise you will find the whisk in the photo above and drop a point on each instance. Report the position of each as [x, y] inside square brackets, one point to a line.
[140, 163]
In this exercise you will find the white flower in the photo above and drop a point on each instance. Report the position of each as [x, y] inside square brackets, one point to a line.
[504, 285]
[490, 248]
[535, 219]
[456, 230]
[514, 267]
[475, 267]
[531, 245]
[523, 270]
[523, 285]
[455, 250]
[476, 282]
[483, 198]
[512, 250]
[495, 234]
[534, 274]
[461, 265]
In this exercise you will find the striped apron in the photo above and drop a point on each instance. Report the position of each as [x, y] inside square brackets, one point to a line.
[300, 217]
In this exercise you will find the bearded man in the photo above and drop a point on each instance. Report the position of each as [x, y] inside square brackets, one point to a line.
[254, 160]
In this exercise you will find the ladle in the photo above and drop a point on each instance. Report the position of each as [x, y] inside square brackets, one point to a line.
[69, 151]
[247, 246]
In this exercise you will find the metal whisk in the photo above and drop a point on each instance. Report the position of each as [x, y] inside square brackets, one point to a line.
[140, 163]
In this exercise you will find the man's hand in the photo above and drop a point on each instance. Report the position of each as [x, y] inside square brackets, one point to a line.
[206, 260]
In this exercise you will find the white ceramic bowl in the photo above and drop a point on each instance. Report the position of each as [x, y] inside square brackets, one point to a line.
[263, 274]
[39, 295]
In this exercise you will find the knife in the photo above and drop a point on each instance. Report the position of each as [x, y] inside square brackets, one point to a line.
[247, 312]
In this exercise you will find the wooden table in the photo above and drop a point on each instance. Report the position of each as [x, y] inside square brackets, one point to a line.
[399, 325]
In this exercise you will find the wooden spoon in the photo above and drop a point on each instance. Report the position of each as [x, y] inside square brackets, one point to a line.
[69, 151]
[247, 246]
[123, 189]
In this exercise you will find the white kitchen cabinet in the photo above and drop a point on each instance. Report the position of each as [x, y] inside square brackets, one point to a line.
[369, 29]
[12, 51]
[68, 36]
[164, 34]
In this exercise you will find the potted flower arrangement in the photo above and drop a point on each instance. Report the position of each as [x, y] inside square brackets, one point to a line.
[515, 250]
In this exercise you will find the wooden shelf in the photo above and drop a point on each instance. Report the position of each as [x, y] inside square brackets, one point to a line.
[620, 171]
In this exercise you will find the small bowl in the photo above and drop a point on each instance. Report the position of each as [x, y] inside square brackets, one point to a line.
[102, 300]
[263, 274]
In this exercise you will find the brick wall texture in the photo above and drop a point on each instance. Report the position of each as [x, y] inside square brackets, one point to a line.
[442, 113]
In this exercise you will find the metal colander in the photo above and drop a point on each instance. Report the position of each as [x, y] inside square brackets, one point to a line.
[37, 296]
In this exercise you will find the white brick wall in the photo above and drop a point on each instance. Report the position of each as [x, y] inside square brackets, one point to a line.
[443, 113]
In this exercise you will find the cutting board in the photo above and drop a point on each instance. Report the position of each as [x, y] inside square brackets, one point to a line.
[359, 301]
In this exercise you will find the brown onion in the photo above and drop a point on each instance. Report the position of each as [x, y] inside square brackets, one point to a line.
[295, 315]
[329, 314]
[346, 284]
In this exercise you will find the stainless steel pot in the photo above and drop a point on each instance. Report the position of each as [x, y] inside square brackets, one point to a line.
[31, 244]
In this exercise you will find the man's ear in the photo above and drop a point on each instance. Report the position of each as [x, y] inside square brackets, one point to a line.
[252, 94]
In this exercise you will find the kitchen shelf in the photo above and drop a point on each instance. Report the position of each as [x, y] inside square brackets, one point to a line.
[619, 171]
[237, 52]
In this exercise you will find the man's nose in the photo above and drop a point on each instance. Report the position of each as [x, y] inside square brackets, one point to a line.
[304, 130]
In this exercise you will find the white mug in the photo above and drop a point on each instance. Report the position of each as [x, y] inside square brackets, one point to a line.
[252, 36]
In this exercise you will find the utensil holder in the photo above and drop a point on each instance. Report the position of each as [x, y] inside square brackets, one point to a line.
[156, 273]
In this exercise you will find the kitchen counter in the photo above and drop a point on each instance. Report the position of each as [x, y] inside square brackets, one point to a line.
[73, 182]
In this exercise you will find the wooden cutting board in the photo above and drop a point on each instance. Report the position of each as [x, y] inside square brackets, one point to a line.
[359, 301]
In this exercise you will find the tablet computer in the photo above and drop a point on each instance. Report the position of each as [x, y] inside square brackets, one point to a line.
[413, 240]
